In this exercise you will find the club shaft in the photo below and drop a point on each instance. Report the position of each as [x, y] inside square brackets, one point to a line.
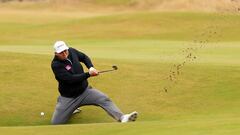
[106, 71]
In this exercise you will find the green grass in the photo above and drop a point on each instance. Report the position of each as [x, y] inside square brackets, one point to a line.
[213, 87]
[145, 46]
[21, 28]
[169, 127]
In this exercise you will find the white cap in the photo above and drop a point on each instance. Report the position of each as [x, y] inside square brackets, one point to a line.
[60, 46]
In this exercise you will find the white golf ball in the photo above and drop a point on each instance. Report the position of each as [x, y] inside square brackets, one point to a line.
[42, 113]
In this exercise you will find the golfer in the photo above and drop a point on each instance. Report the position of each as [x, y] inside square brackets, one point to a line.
[74, 88]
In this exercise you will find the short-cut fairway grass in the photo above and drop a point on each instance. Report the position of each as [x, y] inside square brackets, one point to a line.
[145, 46]
[205, 95]
[24, 28]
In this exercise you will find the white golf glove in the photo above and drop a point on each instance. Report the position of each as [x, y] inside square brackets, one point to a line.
[92, 71]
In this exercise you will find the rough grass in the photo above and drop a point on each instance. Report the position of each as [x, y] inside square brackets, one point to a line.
[127, 5]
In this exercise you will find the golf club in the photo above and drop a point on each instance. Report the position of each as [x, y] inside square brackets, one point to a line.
[114, 67]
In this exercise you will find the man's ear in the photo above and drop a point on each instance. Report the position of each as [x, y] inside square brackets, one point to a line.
[56, 54]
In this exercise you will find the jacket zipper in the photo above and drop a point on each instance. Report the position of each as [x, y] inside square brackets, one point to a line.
[69, 61]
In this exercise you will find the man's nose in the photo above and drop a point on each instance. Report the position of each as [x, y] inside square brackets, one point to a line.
[64, 53]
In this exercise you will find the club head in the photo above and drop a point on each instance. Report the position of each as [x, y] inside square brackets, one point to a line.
[114, 67]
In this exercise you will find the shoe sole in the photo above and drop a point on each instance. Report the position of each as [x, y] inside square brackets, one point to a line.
[133, 116]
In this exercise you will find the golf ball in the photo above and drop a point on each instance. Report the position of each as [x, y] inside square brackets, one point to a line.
[42, 113]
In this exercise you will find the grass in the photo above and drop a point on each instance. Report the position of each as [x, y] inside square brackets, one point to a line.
[21, 28]
[192, 97]
[125, 5]
[220, 127]
[202, 99]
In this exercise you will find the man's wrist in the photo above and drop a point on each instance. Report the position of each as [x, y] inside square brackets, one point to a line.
[87, 73]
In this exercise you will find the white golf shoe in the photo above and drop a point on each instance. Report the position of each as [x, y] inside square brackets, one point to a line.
[129, 117]
[78, 110]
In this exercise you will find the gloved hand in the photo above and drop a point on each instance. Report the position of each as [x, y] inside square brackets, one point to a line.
[92, 71]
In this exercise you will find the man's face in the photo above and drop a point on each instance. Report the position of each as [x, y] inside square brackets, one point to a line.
[62, 55]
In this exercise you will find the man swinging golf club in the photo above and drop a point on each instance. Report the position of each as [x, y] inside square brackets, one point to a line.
[74, 88]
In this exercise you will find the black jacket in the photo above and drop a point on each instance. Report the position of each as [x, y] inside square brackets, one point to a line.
[72, 81]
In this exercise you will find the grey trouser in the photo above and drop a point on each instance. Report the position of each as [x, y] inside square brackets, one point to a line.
[66, 106]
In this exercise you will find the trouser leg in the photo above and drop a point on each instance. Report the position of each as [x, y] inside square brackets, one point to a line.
[96, 97]
[63, 110]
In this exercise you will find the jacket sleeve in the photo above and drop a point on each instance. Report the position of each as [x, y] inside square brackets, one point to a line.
[83, 58]
[61, 74]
